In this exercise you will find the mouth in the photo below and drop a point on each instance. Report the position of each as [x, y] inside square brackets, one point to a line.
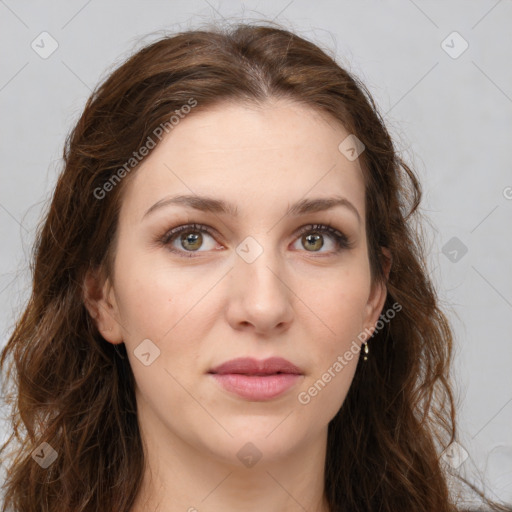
[250, 366]
[255, 380]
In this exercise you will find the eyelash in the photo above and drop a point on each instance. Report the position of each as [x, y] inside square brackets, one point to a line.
[341, 240]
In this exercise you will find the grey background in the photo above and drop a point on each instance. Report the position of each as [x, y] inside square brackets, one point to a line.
[451, 117]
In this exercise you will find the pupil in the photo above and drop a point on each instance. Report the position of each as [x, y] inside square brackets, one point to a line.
[313, 239]
[193, 239]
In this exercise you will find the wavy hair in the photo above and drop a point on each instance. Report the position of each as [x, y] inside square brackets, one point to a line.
[75, 391]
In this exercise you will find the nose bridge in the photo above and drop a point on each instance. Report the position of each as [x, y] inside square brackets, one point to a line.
[258, 288]
[258, 261]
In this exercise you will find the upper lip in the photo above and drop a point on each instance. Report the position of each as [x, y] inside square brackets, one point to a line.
[250, 366]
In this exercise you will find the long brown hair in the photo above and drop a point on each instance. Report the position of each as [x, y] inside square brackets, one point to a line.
[75, 391]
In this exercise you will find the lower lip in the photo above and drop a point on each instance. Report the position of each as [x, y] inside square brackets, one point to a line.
[257, 387]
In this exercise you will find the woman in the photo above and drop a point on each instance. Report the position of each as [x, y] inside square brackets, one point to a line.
[230, 231]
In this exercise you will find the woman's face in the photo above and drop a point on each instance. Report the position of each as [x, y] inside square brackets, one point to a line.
[259, 283]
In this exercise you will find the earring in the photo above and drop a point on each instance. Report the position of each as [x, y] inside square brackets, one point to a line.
[366, 351]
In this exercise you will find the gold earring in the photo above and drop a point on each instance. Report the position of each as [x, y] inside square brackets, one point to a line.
[366, 351]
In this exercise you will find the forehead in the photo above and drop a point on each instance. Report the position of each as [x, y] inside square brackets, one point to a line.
[261, 156]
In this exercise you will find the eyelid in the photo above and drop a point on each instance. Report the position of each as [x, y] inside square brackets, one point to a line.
[329, 229]
[193, 226]
[342, 241]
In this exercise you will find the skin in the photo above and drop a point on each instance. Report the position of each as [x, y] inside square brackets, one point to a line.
[299, 301]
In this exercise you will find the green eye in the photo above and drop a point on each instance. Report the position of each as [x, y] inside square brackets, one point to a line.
[190, 238]
[313, 236]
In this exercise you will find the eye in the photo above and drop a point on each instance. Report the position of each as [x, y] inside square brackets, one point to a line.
[189, 238]
[312, 237]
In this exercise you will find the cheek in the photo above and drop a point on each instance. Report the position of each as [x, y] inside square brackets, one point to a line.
[340, 301]
[340, 304]
[334, 356]
[147, 308]
[153, 299]
[175, 311]
[323, 394]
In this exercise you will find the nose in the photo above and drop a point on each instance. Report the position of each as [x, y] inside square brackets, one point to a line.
[260, 299]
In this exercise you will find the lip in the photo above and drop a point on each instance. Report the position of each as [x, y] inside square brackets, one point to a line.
[257, 380]
[250, 366]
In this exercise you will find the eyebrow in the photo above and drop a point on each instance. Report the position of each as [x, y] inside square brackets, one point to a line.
[219, 206]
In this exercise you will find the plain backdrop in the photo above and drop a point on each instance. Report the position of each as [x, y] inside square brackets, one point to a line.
[446, 99]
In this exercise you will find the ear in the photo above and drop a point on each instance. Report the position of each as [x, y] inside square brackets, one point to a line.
[378, 293]
[99, 299]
